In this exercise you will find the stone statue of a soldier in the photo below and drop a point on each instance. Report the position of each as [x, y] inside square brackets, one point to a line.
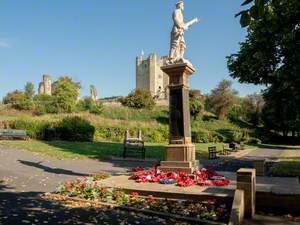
[178, 45]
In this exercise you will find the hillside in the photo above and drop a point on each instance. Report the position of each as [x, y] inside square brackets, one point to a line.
[114, 120]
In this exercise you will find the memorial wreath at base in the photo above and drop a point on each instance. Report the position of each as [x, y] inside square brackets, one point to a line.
[203, 177]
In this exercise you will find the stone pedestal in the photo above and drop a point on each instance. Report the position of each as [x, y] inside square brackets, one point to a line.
[246, 181]
[180, 153]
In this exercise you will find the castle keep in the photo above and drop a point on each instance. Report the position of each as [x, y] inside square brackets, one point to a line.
[150, 77]
[45, 87]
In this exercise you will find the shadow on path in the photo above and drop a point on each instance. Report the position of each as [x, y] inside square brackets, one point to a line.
[29, 208]
[51, 170]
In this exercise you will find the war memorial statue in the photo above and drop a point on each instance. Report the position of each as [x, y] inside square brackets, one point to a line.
[180, 152]
[178, 45]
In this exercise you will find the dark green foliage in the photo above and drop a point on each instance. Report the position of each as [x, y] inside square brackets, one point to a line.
[196, 104]
[75, 128]
[255, 12]
[271, 56]
[116, 133]
[34, 129]
[139, 99]
[236, 113]
[65, 93]
[254, 141]
[286, 167]
[253, 105]
[44, 104]
[222, 98]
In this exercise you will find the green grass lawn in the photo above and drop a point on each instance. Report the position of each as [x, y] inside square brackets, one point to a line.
[286, 167]
[96, 150]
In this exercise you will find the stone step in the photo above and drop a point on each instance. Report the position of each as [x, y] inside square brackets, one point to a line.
[175, 164]
[188, 170]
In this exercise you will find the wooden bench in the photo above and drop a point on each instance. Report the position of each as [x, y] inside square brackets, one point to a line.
[212, 152]
[134, 145]
[10, 134]
[233, 147]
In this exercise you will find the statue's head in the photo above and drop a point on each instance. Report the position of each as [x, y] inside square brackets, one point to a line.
[180, 5]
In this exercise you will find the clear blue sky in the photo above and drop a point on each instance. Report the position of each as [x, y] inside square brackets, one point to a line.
[96, 42]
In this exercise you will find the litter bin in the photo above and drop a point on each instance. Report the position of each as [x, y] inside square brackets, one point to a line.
[232, 145]
[49, 134]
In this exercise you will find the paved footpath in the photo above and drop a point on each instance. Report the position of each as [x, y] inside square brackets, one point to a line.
[24, 175]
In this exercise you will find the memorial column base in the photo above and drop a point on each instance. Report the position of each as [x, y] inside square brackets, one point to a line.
[179, 158]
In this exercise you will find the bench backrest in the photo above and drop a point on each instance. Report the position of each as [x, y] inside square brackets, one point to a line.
[11, 132]
[213, 148]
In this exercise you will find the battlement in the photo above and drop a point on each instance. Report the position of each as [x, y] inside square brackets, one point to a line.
[150, 77]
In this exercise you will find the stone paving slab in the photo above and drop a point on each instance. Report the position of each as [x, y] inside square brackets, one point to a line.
[124, 182]
[276, 185]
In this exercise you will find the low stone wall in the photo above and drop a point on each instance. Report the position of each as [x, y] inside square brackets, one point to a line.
[237, 209]
[280, 203]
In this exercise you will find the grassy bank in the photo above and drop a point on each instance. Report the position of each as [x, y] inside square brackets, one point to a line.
[114, 120]
[96, 150]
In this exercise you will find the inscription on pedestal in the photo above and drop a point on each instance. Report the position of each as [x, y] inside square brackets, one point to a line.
[176, 114]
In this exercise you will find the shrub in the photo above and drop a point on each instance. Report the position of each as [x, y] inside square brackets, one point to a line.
[201, 136]
[87, 104]
[237, 136]
[18, 100]
[96, 108]
[65, 94]
[196, 104]
[44, 104]
[84, 104]
[254, 141]
[34, 129]
[139, 99]
[75, 128]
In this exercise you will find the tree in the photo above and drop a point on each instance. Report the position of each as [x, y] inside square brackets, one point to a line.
[88, 104]
[65, 93]
[139, 99]
[255, 12]
[270, 55]
[29, 90]
[253, 105]
[44, 103]
[196, 103]
[18, 100]
[222, 98]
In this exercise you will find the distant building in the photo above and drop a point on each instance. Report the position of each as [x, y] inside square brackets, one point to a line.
[150, 77]
[45, 87]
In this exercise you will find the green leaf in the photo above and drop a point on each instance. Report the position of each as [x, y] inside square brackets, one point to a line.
[245, 19]
[254, 12]
[240, 13]
[246, 2]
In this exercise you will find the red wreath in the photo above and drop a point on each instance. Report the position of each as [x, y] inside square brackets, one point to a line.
[204, 177]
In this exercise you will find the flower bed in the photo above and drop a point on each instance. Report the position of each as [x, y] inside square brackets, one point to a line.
[204, 177]
[88, 188]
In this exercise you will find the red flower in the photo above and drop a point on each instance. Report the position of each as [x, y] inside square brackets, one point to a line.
[67, 184]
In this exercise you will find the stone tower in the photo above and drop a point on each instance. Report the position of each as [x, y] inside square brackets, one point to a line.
[45, 87]
[93, 92]
[150, 77]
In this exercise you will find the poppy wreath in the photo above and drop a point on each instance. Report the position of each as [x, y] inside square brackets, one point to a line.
[203, 177]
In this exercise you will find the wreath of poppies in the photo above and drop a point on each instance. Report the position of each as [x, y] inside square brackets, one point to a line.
[203, 177]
